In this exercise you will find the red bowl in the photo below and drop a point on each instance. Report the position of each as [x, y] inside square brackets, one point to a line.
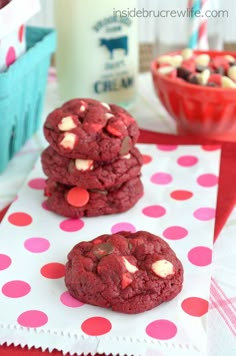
[198, 110]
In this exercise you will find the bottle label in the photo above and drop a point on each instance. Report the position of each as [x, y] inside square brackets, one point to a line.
[115, 39]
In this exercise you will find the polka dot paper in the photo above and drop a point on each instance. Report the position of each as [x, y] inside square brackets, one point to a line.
[179, 204]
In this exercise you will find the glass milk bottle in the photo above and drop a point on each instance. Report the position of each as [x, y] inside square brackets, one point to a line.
[97, 54]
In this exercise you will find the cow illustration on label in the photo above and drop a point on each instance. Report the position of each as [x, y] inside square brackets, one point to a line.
[114, 44]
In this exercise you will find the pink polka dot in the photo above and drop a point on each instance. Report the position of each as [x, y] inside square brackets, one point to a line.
[5, 261]
[32, 319]
[154, 211]
[195, 306]
[16, 289]
[207, 180]
[11, 56]
[200, 256]
[161, 329]
[37, 244]
[69, 301]
[96, 326]
[167, 147]
[175, 233]
[44, 205]
[20, 219]
[204, 214]
[123, 226]
[21, 33]
[37, 183]
[71, 225]
[161, 178]
[187, 161]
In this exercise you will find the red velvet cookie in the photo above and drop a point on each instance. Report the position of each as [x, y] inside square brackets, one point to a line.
[127, 272]
[76, 202]
[91, 174]
[89, 129]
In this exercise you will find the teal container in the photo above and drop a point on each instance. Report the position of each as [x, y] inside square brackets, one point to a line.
[22, 92]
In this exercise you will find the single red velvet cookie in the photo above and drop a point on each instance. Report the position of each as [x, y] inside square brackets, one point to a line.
[76, 202]
[89, 129]
[127, 272]
[91, 174]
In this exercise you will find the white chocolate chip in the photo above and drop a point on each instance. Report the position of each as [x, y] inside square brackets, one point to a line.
[176, 60]
[108, 116]
[106, 106]
[227, 82]
[67, 123]
[202, 60]
[187, 53]
[229, 58]
[163, 268]
[128, 156]
[203, 77]
[82, 108]
[165, 70]
[68, 140]
[83, 164]
[131, 268]
[164, 59]
[232, 73]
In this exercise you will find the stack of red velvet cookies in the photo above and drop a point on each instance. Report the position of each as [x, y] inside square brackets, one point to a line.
[92, 164]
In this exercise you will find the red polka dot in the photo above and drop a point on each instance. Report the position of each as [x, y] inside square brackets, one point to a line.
[69, 301]
[175, 233]
[37, 244]
[20, 219]
[53, 270]
[11, 56]
[211, 148]
[161, 178]
[123, 226]
[204, 214]
[181, 194]
[37, 183]
[32, 319]
[207, 180]
[71, 225]
[96, 326]
[167, 147]
[16, 289]
[146, 159]
[187, 161]
[200, 256]
[21, 33]
[161, 329]
[154, 211]
[195, 306]
[5, 261]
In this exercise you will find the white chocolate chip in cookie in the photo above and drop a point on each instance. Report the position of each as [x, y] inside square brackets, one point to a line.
[165, 70]
[163, 268]
[106, 106]
[128, 156]
[203, 77]
[67, 123]
[68, 141]
[83, 164]
[108, 116]
[130, 268]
